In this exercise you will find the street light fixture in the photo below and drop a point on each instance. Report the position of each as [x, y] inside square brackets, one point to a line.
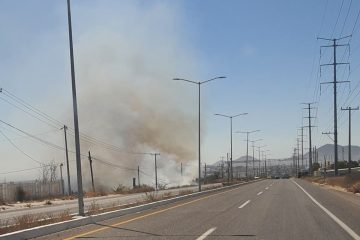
[247, 148]
[199, 84]
[230, 117]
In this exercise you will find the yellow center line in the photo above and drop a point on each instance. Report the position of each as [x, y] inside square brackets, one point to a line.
[147, 215]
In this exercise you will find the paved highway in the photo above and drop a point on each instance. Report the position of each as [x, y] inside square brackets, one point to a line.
[270, 209]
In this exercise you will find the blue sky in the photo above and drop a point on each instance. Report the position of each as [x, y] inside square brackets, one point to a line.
[267, 49]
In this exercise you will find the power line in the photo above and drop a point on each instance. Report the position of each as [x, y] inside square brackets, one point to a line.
[346, 17]
[47, 119]
[14, 145]
[24, 170]
[32, 136]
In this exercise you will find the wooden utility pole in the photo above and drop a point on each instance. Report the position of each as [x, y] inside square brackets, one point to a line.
[67, 161]
[91, 172]
[138, 174]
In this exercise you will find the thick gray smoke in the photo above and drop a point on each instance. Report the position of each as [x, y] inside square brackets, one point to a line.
[126, 95]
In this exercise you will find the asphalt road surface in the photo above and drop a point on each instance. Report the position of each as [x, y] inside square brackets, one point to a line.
[269, 209]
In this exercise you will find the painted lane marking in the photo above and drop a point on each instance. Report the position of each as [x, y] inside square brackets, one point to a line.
[245, 203]
[267, 188]
[259, 193]
[331, 215]
[149, 214]
[207, 233]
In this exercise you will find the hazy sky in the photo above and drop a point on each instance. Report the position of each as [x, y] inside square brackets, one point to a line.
[267, 49]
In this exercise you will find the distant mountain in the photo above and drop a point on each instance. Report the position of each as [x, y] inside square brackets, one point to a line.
[237, 162]
[327, 151]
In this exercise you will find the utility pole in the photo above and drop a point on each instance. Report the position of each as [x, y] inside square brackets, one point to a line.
[259, 161]
[298, 155]
[294, 162]
[62, 180]
[253, 159]
[67, 160]
[349, 109]
[222, 170]
[181, 169]
[302, 147]
[76, 120]
[247, 154]
[265, 159]
[91, 172]
[156, 178]
[309, 126]
[205, 174]
[228, 167]
[334, 82]
[138, 173]
[265, 167]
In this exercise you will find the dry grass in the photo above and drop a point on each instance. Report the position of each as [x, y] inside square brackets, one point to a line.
[93, 208]
[355, 188]
[349, 182]
[68, 197]
[185, 192]
[151, 197]
[30, 221]
[121, 189]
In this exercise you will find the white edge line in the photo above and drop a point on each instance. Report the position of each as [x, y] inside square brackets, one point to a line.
[207, 233]
[259, 193]
[245, 203]
[336, 219]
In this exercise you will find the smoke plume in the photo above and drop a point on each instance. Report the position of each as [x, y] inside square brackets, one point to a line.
[126, 97]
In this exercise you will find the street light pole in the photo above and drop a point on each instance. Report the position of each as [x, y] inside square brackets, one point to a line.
[253, 148]
[247, 149]
[76, 121]
[259, 147]
[199, 144]
[231, 133]
[264, 152]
